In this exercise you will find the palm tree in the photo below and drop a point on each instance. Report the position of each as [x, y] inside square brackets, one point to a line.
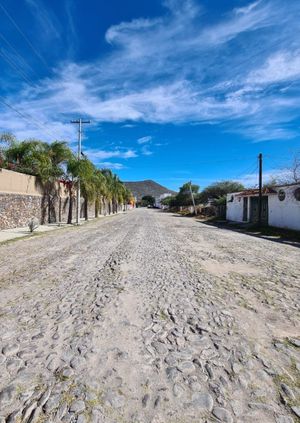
[59, 154]
[45, 161]
[109, 189]
[86, 173]
[53, 162]
[100, 190]
[128, 197]
[6, 141]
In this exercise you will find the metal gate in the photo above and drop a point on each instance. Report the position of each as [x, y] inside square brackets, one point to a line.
[254, 210]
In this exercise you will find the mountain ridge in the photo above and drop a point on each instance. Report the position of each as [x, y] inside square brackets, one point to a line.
[147, 187]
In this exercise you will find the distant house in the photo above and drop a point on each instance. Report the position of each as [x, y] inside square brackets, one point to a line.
[280, 206]
[161, 197]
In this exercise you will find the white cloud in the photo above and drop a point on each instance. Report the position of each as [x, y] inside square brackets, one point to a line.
[280, 175]
[281, 66]
[191, 72]
[97, 155]
[146, 151]
[248, 8]
[48, 24]
[144, 140]
[111, 165]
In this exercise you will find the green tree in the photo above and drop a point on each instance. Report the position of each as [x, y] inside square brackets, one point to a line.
[100, 190]
[184, 197]
[109, 190]
[220, 189]
[148, 200]
[55, 162]
[6, 141]
[45, 161]
[86, 174]
[169, 201]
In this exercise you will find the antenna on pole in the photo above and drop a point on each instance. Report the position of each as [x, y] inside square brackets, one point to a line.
[79, 122]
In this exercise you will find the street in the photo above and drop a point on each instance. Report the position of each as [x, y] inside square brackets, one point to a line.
[149, 317]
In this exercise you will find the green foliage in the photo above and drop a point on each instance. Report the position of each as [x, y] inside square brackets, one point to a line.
[169, 201]
[218, 190]
[184, 197]
[271, 183]
[220, 201]
[148, 200]
[55, 161]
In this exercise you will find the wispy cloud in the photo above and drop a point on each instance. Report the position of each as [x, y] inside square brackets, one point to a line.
[145, 150]
[279, 67]
[144, 140]
[98, 155]
[49, 27]
[235, 72]
[111, 165]
[71, 29]
[279, 175]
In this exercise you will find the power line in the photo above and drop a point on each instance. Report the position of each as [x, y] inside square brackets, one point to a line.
[28, 118]
[15, 67]
[24, 36]
[29, 81]
[20, 57]
[250, 170]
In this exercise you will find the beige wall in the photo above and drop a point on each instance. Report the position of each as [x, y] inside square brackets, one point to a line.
[19, 183]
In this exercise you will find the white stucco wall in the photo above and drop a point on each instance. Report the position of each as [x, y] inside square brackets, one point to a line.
[159, 199]
[234, 209]
[286, 213]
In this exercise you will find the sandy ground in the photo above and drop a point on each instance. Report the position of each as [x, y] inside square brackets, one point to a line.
[149, 317]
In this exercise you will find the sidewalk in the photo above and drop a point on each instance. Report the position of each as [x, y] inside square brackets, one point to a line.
[14, 233]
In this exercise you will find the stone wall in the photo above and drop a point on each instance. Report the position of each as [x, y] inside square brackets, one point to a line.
[16, 210]
[22, 198]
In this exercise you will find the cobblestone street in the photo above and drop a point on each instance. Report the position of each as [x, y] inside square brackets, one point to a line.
[147, 317]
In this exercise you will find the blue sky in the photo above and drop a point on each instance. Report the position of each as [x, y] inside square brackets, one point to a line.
[176, 90]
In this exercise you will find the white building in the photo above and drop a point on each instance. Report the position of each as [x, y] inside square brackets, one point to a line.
[280, 206]
[159, 199]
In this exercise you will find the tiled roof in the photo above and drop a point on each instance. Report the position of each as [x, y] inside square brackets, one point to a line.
[255, 191]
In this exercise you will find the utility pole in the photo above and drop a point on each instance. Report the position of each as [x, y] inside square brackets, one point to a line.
[79, 122]
[193, 199]
[260, 164]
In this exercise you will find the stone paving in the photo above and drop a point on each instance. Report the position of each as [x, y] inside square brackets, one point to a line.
[149, 317]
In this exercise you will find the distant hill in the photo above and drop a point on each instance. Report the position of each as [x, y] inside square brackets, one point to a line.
[141, 188]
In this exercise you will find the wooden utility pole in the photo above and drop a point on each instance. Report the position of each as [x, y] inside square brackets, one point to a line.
[260, 164]
[193, 199]
[79, 122]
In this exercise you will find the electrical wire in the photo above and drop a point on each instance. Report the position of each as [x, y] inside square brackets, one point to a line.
[26, 117]
[29, 43]
[19, 56]
[21, 72]
[23, 75]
